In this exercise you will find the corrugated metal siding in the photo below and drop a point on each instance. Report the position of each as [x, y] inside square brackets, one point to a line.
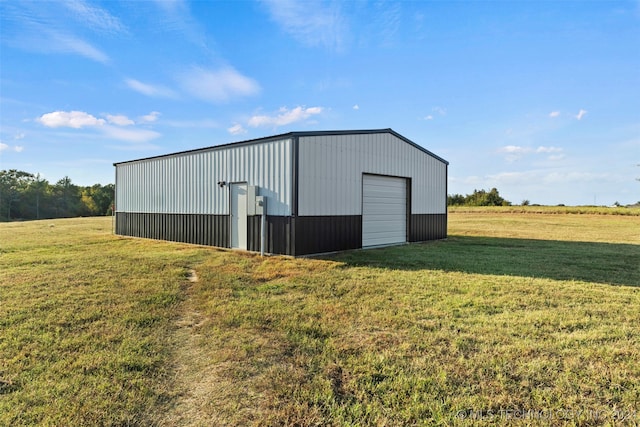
[210, 230]
[319, 234]
[331, 168]
[187, 183]
[425, 227]
[278, 234]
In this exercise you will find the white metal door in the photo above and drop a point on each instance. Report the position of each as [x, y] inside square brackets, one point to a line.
[384, 210]
[239, 216]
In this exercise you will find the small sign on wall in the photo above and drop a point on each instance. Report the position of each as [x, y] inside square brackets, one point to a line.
[261, 205]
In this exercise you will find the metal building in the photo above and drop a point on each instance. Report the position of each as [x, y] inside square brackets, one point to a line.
[319, 191]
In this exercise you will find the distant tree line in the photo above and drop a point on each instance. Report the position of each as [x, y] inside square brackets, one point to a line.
[27, 196]
[478, 198]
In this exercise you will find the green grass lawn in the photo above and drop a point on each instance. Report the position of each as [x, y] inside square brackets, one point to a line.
[514, 312]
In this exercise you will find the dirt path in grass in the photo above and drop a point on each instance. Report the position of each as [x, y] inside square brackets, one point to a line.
[198, 383]
[192, 381]
[203, 387]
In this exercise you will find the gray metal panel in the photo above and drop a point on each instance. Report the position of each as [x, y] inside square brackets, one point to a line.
[188, 182]
[331, 168]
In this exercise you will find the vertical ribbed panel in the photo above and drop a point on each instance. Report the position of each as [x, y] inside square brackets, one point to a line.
[314, 234]
[278, 234]
[425, 227]
[331, 168]
[320, 234]
[188, 182]
[212, 230]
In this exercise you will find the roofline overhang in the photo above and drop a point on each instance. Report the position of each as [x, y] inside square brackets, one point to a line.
[287, 136]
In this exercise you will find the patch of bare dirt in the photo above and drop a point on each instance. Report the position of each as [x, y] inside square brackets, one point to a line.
[203, 386]
[193, 276]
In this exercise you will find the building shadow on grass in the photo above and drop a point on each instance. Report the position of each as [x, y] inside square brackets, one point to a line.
[607, 263]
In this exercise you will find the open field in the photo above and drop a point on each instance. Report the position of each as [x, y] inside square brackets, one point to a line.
[582, 210]
[513, 312]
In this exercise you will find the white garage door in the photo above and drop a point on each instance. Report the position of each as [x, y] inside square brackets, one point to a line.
[384, 210]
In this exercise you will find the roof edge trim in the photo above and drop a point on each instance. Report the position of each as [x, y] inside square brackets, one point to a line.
[286, 136]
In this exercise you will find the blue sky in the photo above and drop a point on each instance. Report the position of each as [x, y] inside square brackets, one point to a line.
[540, 99]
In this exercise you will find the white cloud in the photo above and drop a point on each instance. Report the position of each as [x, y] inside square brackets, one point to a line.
[41, 28]
[220, 85]
[388, 22]
[542, 149]
[313, 23]
[513, 177]
[67, 43]
[155, 91]
[119, 120]
[19, 135]
[130, 135]
[177, 17]
[581, 114]
[72, 119]
[149, 118]
[7, 147]
[95, 17]
[515, 152]
[356, 107]
[554, 114]
[284, 116]
[574, 176]
[80, 119]
[237, 129]
[516, 149]
[441, 111]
